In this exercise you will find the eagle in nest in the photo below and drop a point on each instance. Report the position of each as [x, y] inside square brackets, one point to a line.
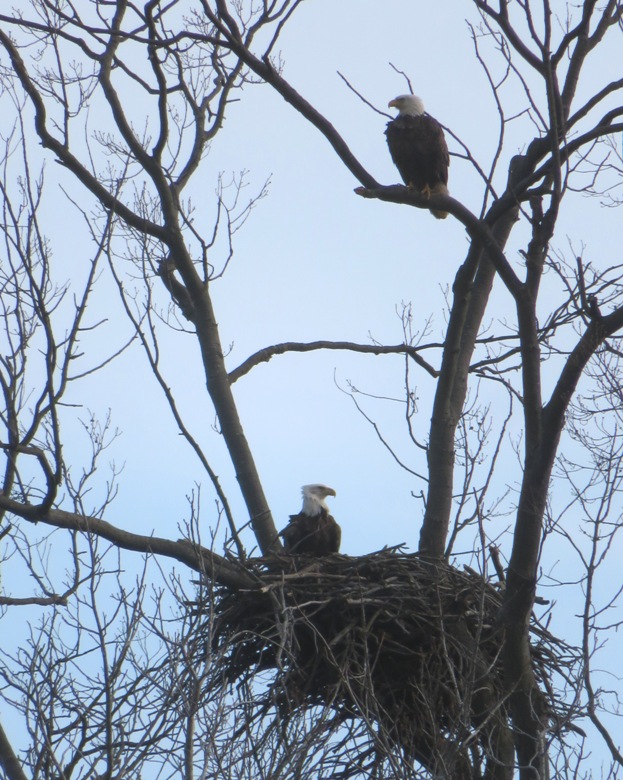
[313, 531]
[418, 148]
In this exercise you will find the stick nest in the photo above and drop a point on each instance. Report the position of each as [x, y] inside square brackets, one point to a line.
[410, 645]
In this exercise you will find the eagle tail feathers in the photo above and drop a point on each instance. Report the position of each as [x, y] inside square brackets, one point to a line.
[439, 189]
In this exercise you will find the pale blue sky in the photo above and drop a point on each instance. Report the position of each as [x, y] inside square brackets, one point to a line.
[314, 261]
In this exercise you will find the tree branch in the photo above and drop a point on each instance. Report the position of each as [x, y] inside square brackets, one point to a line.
[66, 158]
[265, 70]
[8, 760]
[267, 353]
[194, 556]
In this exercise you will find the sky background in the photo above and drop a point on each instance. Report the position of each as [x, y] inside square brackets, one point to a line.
[315, 261]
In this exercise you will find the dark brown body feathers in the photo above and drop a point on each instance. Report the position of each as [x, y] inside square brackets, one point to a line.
[419, 150]
[312, 535]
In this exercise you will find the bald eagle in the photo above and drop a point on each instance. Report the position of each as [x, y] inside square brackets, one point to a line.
[313, 531]
[418, 148]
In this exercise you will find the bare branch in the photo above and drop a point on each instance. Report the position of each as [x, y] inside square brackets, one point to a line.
[267, 353]
[198, 558]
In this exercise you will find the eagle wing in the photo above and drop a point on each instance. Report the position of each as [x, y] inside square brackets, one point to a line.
[332, 535]
[419, 150]
[296, 533]
[305, 535]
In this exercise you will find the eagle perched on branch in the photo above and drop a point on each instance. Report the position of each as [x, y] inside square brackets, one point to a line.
[313, 531]
[418, 148]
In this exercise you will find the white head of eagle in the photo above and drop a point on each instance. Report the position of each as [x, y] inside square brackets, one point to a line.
[314, 499]
[313, 531]
[418, 148]
[407, 105]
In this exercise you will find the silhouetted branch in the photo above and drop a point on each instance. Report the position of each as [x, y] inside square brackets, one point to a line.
[195, 557]
[267, 353]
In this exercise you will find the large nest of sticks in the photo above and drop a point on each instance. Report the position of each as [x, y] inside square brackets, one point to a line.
[408, 644]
